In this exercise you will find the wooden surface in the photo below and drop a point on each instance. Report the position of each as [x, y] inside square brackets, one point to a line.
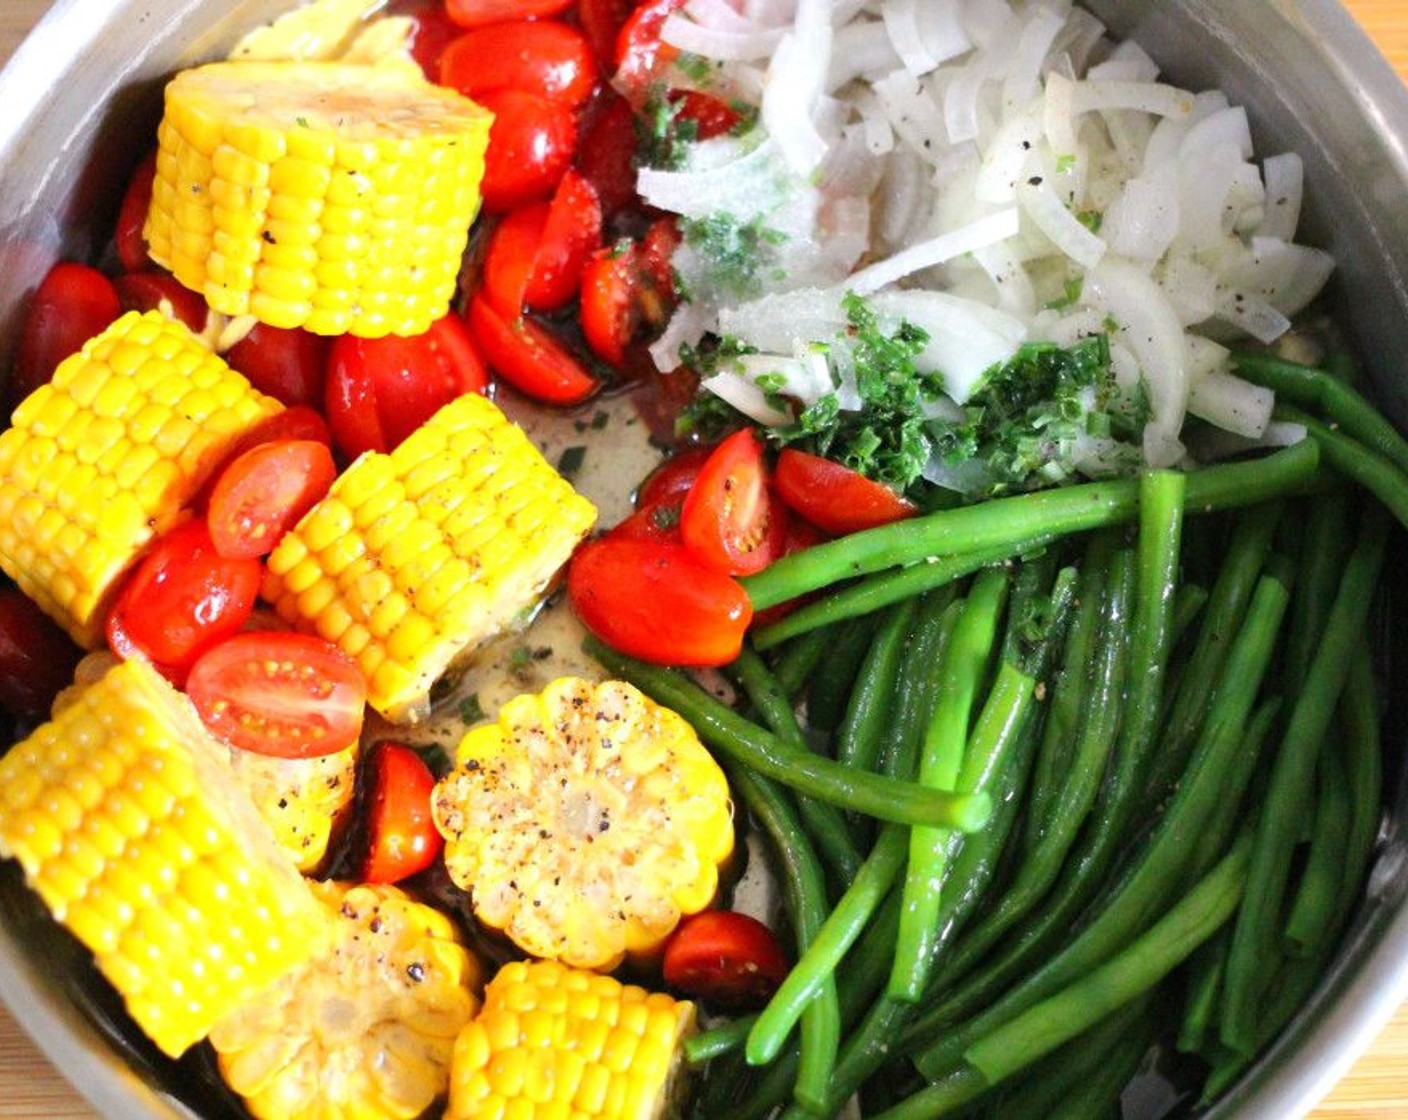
[1376, 1087]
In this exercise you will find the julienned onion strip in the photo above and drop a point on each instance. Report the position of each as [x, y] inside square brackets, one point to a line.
[725, 730]
[1012, 521]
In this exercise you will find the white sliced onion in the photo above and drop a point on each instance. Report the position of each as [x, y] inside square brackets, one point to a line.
[717, 43]
[1041, 204]
[782, 321]
[902, 26]
[985, 231]
[1284, 178]
[1141, 223]
[746, 187]
[1232, 403]
[861, 48]
[966, 338]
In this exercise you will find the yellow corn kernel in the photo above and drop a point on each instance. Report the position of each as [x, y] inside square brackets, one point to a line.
[367, 1028]
[407, 614]
[269, 169]
[107, 456]
[585, 822]
[127, 822]
[501, 1069]
[303, 799]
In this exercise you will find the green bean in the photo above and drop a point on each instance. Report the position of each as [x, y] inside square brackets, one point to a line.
[1189, 604]
[804, 887]
[834, 678]
[1099, 723]
[727, 731]
[1016, 520]
[1314, 388]
[1137, 968]
[1325, 530]
[1255, 940]
[1325, 861]
[914, 701]
[1097, 1096]
[1223, 822]
[1359, 722]
[871, 702]
[824, 823]
[1383, 478]
[794, 663]
[965, 665]
[823, 955]
[1158, 867]
[717, 1041]
[886, 588]
[1202, 989]
[1231, 592]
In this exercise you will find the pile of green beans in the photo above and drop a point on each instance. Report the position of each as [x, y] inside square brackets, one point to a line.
[1030, 770]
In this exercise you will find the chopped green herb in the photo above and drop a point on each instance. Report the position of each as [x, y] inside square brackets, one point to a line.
[1065, 164]
[1091, 219]
[1070, 295]
[571, 460]
[471, 711]
[735, 253]
[435, 757]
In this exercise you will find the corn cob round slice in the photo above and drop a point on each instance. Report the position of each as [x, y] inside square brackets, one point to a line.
[585, 822]
[415, 559]
[556, 1042]
[324, 195]
[127, 822]
[365, 1030]
[305, 800]
[107, 455]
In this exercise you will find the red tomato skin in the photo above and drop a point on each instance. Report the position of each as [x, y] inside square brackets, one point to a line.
[379, 390]
[509, 257]
[711, 116]
[653, 600]
[401, 835]
[128, 242]
[641, 54]
[37, 658]
[730, 519]
[72, 304]
[672, 479]
[546, 57]
[477, 13]
[608, 302]
[601, 22]
[148, 289]
[570, 235]
[833, 497]
[279, 693]
[801, 535]
[725, 958]
[527, 356]
[182, 599]
[263, 493]
[287, 364]
[531, 144]
[432, 30]
[606, 152]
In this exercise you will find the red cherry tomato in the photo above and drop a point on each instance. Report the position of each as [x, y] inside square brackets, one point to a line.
[653, 600]
[401, 834]
[609, 315]
[530, 148]
[545, 57]
[801, 535]
[476, 13]
[710, 115]
[288, 364]
[72, 304]
[36, 657]
[528, 357]
[606, 152]
[299, 422]
[379, 390]
[280, 694]
[182, 599]
[431, 32]
[154, 290]
[130, 245]
[641, 55]
[601, 22]
[263, 493]
[730, 520]
[508, 259]
[569, 236]
[725, 958]
[833, 497]
[672, 480]
[657, 256]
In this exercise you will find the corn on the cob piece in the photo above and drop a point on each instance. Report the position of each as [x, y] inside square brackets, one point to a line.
[365, 1030]
[418, 557]
[106, 456]
[585, 822]
[304, 800]
[553, 1042]
[128, 824]
[325, 195]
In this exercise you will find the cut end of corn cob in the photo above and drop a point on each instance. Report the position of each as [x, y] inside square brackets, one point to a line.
[366, 1029]
[553, 1041]
[585, 822]
[416, 558]
[129, 826]
[323, 195]
[107, 455]
[304, 800]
